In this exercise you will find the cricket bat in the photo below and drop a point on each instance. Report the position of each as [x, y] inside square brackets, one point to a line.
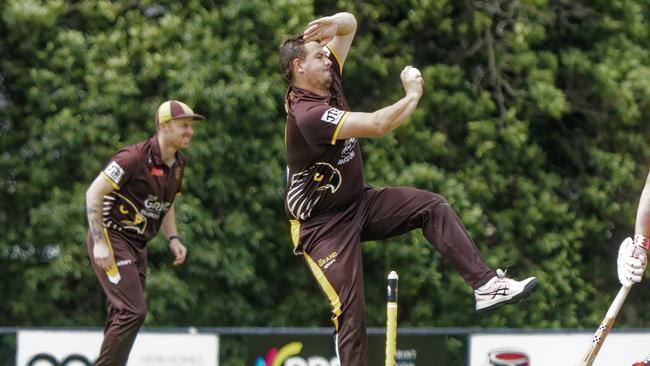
[604, 328]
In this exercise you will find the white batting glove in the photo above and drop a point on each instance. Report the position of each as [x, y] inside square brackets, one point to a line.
[632, 260]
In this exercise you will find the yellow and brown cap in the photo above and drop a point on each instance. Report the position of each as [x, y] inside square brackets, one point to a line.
[173, 109]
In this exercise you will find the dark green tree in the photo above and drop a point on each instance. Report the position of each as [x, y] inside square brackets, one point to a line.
[532, 125]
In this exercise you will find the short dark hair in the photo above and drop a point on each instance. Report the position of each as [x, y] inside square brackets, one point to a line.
[292, 47]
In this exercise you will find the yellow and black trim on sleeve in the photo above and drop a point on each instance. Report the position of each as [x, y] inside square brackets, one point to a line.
[338, 59]
[115, 186]
[338, 128]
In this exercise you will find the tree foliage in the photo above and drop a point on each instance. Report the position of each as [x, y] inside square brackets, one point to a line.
[532, 124]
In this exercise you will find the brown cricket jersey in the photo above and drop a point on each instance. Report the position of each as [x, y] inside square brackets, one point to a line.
[324, 174]
[145, 188]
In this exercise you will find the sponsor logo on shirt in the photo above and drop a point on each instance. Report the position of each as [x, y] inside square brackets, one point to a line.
[154, 208]
[347, 153]
[124, 262]
[114, 171]
[327, 261]
[332, 115]
[157, 172]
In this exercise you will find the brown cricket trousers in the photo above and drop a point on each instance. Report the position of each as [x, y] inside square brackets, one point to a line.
[126, 303]
[332, 250]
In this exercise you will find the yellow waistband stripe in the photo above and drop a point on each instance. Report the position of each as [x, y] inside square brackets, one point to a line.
[295, 234]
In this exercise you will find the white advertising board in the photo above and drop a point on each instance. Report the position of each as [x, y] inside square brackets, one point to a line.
[149, 349]
[620, 349]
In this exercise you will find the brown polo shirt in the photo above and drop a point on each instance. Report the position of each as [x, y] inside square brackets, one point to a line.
[325, 174]
[145, 188]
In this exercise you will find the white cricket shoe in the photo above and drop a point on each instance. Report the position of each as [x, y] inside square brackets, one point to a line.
[501, 290]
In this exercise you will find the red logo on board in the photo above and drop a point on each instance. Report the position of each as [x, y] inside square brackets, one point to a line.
[157, 172]
[508, 358]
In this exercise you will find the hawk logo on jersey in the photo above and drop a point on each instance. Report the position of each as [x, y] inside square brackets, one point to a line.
[332, 115]
[309, 186]
[131, 218]
[114, 171]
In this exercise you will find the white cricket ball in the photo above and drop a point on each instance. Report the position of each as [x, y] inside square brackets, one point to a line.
[413, 72]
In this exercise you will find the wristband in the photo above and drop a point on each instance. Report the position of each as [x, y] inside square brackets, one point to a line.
[174, 237]
[641, 241]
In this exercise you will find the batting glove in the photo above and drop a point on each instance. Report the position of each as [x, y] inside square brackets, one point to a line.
[632, 260]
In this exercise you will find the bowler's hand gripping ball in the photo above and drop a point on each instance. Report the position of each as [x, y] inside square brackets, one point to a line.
[413, 73]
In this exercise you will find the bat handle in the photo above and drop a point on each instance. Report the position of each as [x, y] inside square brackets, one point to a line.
[613, 310]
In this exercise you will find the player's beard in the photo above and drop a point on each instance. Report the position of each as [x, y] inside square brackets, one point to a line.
[325, 81]
[181, 142]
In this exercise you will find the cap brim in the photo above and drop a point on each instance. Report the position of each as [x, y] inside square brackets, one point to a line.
[194, 116]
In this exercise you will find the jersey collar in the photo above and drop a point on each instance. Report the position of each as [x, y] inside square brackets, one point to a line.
[156, 157]
[297, 93]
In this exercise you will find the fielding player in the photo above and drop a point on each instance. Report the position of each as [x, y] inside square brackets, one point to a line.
[632, 257]
[128, 202]
[332, 209]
